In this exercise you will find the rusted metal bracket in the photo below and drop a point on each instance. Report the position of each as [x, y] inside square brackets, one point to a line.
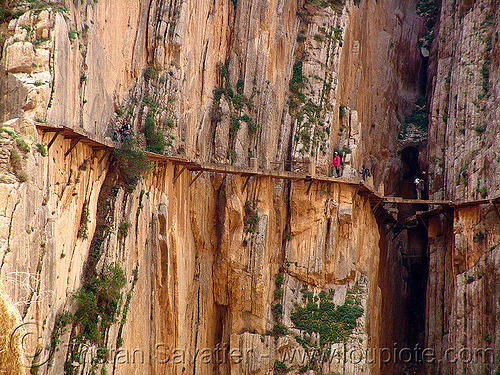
[178, 174]
[72, 147]
[423, 222]
[376, 206]
[196, 177]
[309, 187]
[102, 157]
[356, 193]
[390, 228]
[53, 139]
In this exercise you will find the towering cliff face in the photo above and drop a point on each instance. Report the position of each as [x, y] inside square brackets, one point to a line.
[381, 75]
[463, 251]
[196, 275]
[79, 65]
[225, 81]
[240, 270]
[464, 114]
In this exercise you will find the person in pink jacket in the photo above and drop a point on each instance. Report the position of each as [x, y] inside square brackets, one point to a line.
[336, 163]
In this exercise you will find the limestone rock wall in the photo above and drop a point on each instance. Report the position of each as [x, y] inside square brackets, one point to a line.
[380, 77]
[461, 314]
[42, 258]
[463, 165]
[225, 81]
[72, 64]
[464, 115]
[202, 278]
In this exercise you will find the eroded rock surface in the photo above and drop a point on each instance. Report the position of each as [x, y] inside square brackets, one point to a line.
[226, 81]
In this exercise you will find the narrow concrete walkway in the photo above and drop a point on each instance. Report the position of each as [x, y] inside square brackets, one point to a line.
[376, 199]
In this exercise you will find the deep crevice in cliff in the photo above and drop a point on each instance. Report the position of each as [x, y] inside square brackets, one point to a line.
[411, 169]
[403, 275]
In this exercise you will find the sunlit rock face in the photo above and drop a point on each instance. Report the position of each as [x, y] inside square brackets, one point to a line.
[207, 277]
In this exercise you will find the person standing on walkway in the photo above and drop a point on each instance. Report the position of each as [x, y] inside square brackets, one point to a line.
[364, 172]
[419, 187]
[125, 129]
[336, 163]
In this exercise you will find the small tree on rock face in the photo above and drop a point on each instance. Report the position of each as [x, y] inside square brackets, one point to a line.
[98, 302]
[154, 137]
[132, 163]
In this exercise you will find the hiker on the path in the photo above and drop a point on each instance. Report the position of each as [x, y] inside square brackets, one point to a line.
[336, 163]
[364, 172]
[419, 187]
[125, 129]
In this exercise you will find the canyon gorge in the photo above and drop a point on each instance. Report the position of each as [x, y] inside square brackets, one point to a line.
[110, 263]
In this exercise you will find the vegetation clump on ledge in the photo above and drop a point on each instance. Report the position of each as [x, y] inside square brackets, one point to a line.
[154, 137]
[321, 322]
[84, 220]
[251, 216]
[123, 229]
[98, 301]
[279, 329]
[428, 10]
[280, 368]
[240, 106]
[326, 3]
[479, 237]
[416, 124]
[320, 315]
[132, 163]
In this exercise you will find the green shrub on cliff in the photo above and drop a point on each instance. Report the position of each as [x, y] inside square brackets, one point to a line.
[42, 149]
[23, 145]
[320, 315]
[251, 218]
[483, 191]
[485, 72]
[297, 77]
[239, 105]
[342, 110]
[123, 229]
[280, 368]
[428, 10]
[132, 163]
[154, 137]
[98, 301]
[279, 329]
[326, 3]
[17, 166]
[84, 220]
[479, 237]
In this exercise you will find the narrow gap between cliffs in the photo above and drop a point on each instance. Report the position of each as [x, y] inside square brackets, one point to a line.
[403, 275]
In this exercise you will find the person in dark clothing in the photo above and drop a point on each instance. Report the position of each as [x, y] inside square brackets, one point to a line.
[125, 129]
[365, 172]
